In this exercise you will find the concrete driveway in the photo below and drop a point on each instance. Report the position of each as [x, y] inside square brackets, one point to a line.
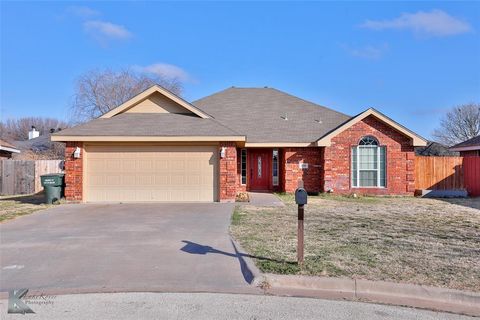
[123, 247]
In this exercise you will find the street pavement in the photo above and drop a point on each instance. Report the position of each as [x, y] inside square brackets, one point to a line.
[211, 306]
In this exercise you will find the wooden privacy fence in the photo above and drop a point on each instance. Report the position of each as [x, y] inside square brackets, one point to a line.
[23, 176]
[448, 173]
[471, 173]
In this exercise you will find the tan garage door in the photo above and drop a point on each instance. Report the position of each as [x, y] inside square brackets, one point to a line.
[151, 173]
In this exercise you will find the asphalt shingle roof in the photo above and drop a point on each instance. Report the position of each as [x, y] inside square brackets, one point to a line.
[7, 144]
[150, 124]
[259, 114]
[473, 142]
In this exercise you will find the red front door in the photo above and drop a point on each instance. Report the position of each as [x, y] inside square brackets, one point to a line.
[259, 169]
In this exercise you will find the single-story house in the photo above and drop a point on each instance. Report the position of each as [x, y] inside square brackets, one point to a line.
[7, 149]
[435, 149]
[159, 147]
[468, 148]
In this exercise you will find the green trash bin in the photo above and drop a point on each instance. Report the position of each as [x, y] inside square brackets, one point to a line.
[53, 186]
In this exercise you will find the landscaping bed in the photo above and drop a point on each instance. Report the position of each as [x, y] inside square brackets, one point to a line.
[15, 206]
[401, 239]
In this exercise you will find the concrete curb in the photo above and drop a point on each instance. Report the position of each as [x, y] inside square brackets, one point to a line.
[439, 299]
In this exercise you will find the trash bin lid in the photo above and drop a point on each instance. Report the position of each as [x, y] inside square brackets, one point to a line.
[52, 175]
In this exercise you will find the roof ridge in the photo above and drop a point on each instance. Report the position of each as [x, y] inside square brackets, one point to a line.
[307, 101]
[212, 94]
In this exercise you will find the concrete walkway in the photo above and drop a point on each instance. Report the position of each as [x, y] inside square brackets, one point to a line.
[264, 200]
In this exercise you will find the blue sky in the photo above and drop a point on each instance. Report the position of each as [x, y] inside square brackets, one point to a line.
[410, 60]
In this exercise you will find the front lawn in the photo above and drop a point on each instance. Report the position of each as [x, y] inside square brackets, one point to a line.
[15, 206]
[420, 241]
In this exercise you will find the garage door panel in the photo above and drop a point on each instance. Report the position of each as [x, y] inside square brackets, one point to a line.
[151, 173]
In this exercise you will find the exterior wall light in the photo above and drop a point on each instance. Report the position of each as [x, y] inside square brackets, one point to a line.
[77, 153]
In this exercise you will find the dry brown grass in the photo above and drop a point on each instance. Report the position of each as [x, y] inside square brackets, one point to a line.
[15, 206]
[420, 241]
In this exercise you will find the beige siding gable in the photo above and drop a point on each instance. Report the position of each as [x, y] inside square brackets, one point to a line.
[157, 103]
[173, 99]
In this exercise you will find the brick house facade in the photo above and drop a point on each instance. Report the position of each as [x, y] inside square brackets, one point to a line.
[329, 168]
[314, 149]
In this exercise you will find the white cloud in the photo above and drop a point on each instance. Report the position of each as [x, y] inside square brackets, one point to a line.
[83, 11]
[367, 52]
[436, 23]
[104, 30]
[165, 70]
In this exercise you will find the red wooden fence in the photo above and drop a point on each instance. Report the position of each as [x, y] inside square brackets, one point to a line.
[471, 173]
[444, 173]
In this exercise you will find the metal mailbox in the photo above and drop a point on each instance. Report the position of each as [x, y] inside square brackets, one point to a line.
[300, 196]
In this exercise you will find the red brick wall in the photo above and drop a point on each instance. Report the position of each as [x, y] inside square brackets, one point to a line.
[471, 153]
[400, 158]
[311, 177]
[228, 172]
[73, 172]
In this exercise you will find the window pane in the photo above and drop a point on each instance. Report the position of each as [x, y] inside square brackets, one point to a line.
[383, 178]
[354, 167]
[244, 166]
[368, 178]
[275, 168]
[367, 158]
[259, 167]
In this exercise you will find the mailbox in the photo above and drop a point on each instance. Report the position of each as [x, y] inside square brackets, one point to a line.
[300, 196]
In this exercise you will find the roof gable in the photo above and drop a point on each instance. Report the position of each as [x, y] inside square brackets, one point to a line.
[156, 99]
[326, 140]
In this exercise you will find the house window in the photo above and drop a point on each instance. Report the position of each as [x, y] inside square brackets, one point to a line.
[368, 164]
[275, 167]
[243, 166]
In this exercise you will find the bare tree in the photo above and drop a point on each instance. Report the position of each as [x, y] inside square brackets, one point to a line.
[459, 124]
[17, 129]
[99, 91]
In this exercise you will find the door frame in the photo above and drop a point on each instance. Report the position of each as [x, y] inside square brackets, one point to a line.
[251, 156]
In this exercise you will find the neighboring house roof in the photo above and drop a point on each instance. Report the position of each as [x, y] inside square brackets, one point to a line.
[149, 126]
[5, 146]
[471, 144]
[435, 149]
[417, 140]
[38, 144]
[259, 113]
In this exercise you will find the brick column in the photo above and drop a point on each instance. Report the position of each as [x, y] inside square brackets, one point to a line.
[228, 172]
[73, 172]
[410, 171]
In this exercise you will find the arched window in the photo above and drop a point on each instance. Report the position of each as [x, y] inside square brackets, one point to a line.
[368, 164]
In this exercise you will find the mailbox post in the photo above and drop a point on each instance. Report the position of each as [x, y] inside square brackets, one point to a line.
[301, 200]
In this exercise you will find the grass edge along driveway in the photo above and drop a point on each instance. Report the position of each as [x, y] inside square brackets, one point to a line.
[400, 239]
[15, 206]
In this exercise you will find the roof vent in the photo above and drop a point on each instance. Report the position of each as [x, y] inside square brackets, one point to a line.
[284, 117]
[317, 120]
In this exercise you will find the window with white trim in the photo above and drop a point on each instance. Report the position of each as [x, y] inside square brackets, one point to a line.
[368, 164]
[243, 166]
[275, 167]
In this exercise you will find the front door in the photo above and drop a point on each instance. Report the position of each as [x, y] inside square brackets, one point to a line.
[259, 169]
